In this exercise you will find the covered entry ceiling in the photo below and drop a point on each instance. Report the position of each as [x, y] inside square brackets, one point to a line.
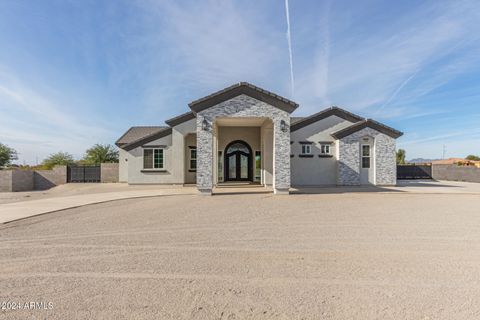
[240, 122]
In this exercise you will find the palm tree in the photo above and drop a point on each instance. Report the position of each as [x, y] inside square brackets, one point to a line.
[401, 156]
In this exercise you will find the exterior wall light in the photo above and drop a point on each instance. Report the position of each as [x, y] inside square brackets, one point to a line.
[205, 125]
[283, 126]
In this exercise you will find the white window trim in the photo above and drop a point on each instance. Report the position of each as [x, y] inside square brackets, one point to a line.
[153, 159]
[309, 149]
[322, 145]
[369, 156]
[190, 159]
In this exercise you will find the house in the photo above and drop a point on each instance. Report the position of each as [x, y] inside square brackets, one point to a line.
[245, 133]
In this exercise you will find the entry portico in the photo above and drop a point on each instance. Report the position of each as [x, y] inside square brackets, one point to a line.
[265, 111]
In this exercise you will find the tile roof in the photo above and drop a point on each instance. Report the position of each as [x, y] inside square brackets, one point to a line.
[332, 111]
[367, 123]
[180, 119]
[243, 88]
[151, 137]
[135, 133]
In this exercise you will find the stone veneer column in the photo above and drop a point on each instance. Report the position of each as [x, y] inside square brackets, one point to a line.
[204, 157]
[281, 157]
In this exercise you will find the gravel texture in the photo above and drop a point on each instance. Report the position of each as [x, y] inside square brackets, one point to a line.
[251, 256]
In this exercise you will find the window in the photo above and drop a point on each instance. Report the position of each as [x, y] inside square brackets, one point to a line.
[306, 149]
[365, 156]
[238, 147]
[193, 159]
[153, 159]
[258, 165]
[220, 166]
[324, 149]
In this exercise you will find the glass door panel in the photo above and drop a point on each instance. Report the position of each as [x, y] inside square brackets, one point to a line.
[243, 167]
[232, 166]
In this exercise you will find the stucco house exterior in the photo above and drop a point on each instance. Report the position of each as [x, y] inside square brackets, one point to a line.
[245, 133]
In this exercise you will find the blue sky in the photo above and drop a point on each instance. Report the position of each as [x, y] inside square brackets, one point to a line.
[74, 73]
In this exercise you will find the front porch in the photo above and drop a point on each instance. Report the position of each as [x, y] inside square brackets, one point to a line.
[243, 149]
[243, 105]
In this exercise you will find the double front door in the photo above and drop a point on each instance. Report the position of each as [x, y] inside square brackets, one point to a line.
[238, 162]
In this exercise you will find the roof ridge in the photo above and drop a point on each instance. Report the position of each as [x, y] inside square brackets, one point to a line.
[243, 84]
[156, 130]
[322, 114]
[180, 118]
[129, 145]
[383, 128]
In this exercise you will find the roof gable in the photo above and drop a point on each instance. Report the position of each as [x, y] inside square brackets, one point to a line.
[135, 133]
[367, 123]
[332, 111]
[239, 89]
[146, 139]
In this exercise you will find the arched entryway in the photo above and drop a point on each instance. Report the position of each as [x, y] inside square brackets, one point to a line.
[238, 161]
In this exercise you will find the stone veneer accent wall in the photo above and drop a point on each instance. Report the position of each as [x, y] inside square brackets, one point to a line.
[243, 106]
[384, 159]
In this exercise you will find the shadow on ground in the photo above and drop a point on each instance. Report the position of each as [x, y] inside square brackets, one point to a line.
[423, 183]
[341, 189]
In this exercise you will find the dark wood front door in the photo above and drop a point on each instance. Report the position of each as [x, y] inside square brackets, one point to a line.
[238, 161]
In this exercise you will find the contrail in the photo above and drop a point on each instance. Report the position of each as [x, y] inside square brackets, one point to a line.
[394, 95]
[289, 39]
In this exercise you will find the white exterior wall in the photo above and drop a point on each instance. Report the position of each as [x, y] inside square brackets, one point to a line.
[174, 158]
[316, 170]
[136, 174]
[122, 165]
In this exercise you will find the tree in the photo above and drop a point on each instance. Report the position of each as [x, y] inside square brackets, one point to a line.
[101, 153]
[401, 156]
[7, 154]
[58, 159]
[473, 157]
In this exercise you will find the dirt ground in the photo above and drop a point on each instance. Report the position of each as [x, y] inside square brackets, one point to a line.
[251, 256]
[75, 189]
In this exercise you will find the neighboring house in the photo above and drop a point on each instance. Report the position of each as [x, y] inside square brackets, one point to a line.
[245, 133]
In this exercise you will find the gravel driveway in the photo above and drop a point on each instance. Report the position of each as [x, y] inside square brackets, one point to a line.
[256, 256]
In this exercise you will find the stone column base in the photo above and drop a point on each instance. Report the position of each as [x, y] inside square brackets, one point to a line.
[205, 192]
[281, 191]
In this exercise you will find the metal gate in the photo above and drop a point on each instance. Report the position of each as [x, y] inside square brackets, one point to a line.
[413, 171]
[83, 174]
